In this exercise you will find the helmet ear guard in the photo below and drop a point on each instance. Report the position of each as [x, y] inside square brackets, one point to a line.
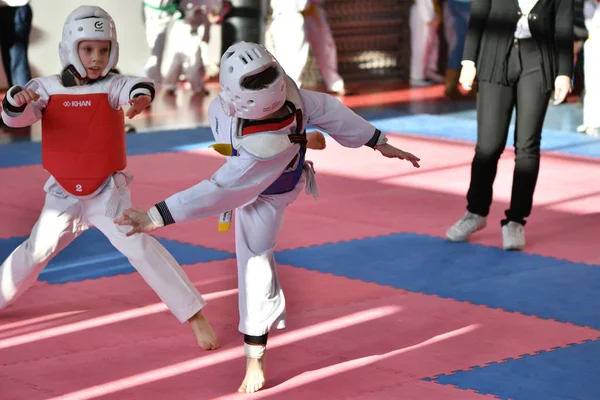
[226, 104]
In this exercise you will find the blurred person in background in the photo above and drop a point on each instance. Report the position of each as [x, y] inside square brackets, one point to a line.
[15, 27]
[591, 66]
[296, 26]
[425, 16]
[458, 12]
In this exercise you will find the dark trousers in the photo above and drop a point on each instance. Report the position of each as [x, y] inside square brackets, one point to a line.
[15, 26]
[495, 104]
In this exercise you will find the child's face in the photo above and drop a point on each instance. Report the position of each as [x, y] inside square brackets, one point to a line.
[94, 55]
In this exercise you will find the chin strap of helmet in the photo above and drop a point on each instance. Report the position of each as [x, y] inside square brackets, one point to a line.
[69, 74]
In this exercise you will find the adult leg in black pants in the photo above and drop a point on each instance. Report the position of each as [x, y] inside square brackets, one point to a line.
[495, 104]
[15, 27]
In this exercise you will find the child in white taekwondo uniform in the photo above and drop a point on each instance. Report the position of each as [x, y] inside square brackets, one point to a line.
[83, 149]
[189, 37]
[298, 25]
[263, 116]
[591, 66]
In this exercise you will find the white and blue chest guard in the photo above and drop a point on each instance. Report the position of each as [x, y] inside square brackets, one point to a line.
[270, 143]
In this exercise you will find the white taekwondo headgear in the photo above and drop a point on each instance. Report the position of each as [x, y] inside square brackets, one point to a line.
[241, 60]
[87, 23]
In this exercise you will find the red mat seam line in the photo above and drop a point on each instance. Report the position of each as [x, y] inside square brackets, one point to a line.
[381, 389]
[103, 297]
[469, 390]
[187, 337]
[30, 385]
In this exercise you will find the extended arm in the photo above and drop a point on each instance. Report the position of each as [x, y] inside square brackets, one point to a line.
[478, 21]
[137, 92]
[23, 106]
[240, 180]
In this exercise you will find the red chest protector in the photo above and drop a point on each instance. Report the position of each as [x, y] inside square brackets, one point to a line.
[83, 141]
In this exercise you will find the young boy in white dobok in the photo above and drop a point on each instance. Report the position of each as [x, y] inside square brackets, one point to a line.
[261, 117]
[83, 149]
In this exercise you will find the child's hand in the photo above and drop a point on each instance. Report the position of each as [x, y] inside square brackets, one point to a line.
[137, 105]
[391, 152]
[26, 96]
[315, 141]
[213, 18]
[138, 219]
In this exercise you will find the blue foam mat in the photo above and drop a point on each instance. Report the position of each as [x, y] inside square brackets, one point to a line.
[513, 281]
[563, 374]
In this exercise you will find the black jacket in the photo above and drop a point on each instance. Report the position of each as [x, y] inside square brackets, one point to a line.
[491, 33]
[579, 29]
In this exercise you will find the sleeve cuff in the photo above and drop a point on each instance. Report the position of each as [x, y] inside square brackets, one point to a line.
[9, 103]
[467, 62]
[142, 89]
[160, 214]
[375, 139]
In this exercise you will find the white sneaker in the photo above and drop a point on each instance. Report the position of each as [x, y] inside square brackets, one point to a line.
[513, 236]
[465, 227]
[420, 83]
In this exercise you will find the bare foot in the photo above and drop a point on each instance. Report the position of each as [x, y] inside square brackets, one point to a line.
[315, 141]
[255, 375]
[205, 335]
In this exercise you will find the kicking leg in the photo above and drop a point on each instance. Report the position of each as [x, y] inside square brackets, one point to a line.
[59, 224]
[155, 264]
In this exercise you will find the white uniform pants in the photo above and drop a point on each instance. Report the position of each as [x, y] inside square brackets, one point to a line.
[424, 44]
[186, 57]
[257, 226]
[63, 218]
[591, 67]
[292, 34]
[157, 23]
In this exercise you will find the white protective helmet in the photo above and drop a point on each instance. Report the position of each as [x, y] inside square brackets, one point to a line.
[87, 23]
[241, 60]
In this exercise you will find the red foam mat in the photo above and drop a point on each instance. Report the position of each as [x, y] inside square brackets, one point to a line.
[110, 338]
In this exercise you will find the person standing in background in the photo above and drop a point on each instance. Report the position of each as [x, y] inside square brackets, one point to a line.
[296, 25]
[424, 42]
[186, 37]
[520, 52]
[459, 12]
[591, 67]
[15, 27]
[158, 14]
